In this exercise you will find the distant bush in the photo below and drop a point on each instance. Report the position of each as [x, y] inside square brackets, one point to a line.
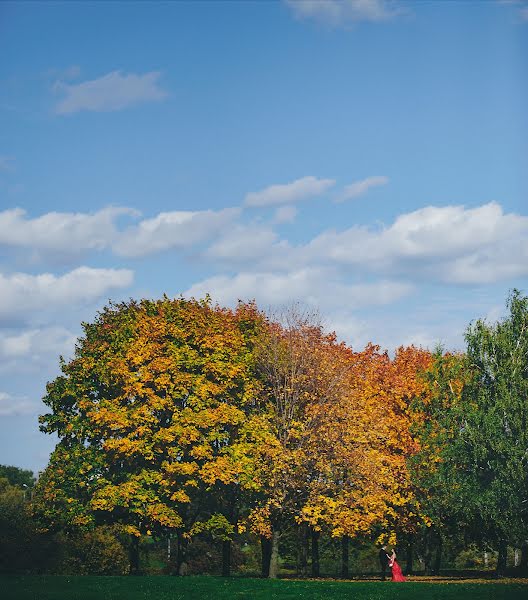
[97, 552]
[473, 558]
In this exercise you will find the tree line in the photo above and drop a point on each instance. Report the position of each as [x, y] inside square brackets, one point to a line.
[197, 426]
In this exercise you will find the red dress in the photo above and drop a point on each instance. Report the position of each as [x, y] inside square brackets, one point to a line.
[397, 574]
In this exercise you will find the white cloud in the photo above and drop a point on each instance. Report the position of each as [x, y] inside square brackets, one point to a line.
[288, 193]
[178, 229]
[22, 294]
[37, 346]
[69, 235]
[358, 188]
[316, 286]
[342, 12]
[15, 405]
[60, 233]
[242, 244]
[285, 214]
[451, 244]
[110, 92]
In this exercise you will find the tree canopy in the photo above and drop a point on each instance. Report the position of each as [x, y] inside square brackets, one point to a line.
[182, 418]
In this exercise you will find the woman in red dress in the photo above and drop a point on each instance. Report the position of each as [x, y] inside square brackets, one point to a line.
[397, 574]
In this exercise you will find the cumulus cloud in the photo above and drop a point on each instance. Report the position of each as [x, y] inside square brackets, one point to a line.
[178, 229]
[316, 286]
[243, 243]
[451, 244]
[343, 12]
[70, 235]
[285, 214]
[22, 294]
[114, 91]
[15, 405]
[34, 349]
[288, 193]
[60, 233]
[358, 188]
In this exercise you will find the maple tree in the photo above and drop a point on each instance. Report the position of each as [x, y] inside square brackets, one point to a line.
[145, 413]
[359, 478]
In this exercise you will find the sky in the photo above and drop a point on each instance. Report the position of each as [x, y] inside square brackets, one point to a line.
[366, 158]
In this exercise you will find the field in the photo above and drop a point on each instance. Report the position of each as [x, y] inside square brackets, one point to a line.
[215, 588]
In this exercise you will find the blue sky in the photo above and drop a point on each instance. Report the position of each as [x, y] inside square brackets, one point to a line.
[367, 158]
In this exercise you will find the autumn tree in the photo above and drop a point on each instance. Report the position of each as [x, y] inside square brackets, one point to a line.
[360, 482]
[403, 386]
[145, 413]
[293, 374]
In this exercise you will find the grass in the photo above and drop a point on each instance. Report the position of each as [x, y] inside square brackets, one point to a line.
[49, 587]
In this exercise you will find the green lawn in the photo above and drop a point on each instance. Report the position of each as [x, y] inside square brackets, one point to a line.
[215, 588]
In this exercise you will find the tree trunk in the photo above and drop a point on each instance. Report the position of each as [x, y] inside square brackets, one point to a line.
[409, 566]
[265, 545]
[133, 555]
[516, 557]
[523, 565]
[315, 553]
[344, 557]
[501, 560]
[438, 555]
[302, 560]
[274, 559]
[180, 555]
[226, 558]
[231, 514]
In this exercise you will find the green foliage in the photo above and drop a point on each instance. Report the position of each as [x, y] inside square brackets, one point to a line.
[19, 477]
[473, 558]
[217, 526]
[96, 552]
[15, 529]
[473, 433]
[491, 449]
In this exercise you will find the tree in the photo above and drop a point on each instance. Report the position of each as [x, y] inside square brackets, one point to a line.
[293, 366]
[435, 431]
[22, 478]
[480, 434]
[145, 413]
[359, 476]
[493, 435]
[16, 530]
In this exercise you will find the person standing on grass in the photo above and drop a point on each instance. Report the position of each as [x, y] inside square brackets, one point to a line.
[384, 559]
[397, 574]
